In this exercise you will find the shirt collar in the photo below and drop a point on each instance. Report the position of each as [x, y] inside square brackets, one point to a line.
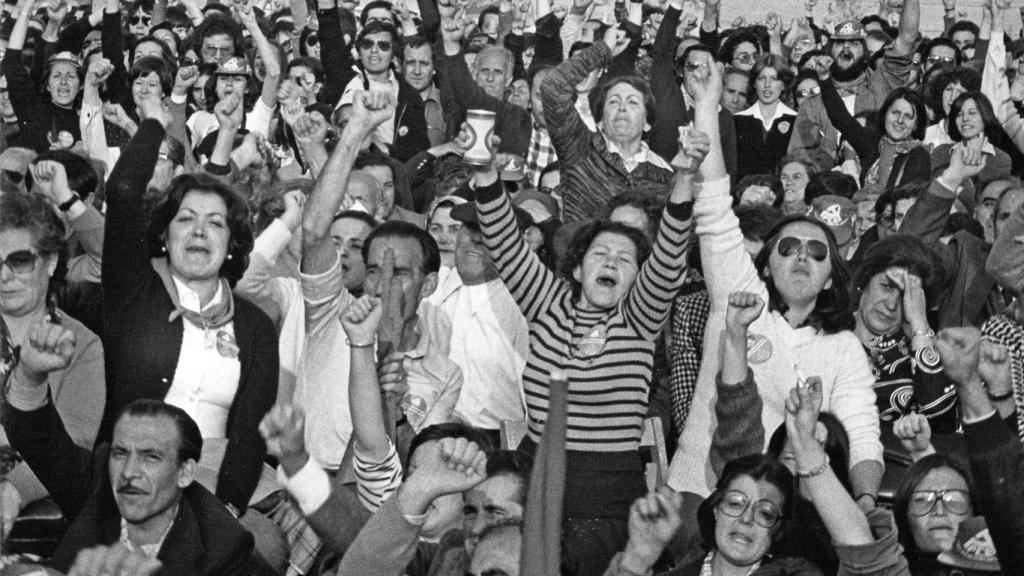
[151, 550]
[189, 299]
[780, 110]
[644, 154]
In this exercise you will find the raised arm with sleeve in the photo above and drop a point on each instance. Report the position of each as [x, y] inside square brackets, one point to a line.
[709, 25]
[574, 19]
[863, 141]
[113, 50]
[335, 53]
[996, 86]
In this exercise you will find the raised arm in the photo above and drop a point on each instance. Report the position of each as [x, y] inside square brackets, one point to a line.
[910, 23]
[864, 143]
[258, 284]
[267, 53]
[113, 50]
[926, 219]
[996, 85]
[335, 53]
[369, 109]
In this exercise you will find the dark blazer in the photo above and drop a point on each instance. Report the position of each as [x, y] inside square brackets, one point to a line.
[204, 540]
[757, 151]
[997, 462]
[142, 348]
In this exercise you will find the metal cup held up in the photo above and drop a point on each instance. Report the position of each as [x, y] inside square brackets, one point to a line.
[481, 127]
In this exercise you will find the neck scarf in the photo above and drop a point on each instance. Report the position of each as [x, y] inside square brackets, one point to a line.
[877, 178]
[215, 316]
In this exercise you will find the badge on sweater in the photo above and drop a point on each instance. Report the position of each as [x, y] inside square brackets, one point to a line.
[226, 345]
[759, 348]
[592, 344]
[784, 127]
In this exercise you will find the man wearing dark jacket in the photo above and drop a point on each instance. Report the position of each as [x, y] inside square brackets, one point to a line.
[140, 493]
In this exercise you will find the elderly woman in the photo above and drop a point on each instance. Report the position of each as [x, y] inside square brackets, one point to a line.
[763, 130]
[898, 282]
[615, 159]
[890, 152]
[31, 264]
[175, 332]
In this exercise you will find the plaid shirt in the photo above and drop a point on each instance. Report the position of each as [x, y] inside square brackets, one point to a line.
[1005, 331]
[540, 154]
[689, 317]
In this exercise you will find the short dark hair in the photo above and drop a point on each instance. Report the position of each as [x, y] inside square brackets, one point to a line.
[735, 39]
[963, 26]
[837, 447]
[406, 230]
[829, 183]
[651, 206]
[638, 83]
[190, 440]
[375, 4]
[993, 128]
[313, 64]
[584, 237]
[373, 157]
[915, 100]
[914, 475]
[240, 240]
[757, 220]
[169, 60]
[149, 64]
[782, 69]
[908, 252]
[379, 26]
[356, 215]
[451, 430]
[941, 41]
[761, 468]
[515, 463]
[832, 312]
[217, 23]
[81, 174]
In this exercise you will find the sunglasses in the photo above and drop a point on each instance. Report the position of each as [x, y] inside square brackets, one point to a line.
[790, 245]
[312, 40]
[744, 57]
[20, 261]
[735, 504]
[808, 92]
[368, 44]
[13, 175]
[139, 20]
[922, 502]
[933, 60]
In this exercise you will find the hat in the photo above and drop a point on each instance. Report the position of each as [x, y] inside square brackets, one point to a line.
[836, 212]
[541, 207]
[513, 169]
[234, 66]
[65, 57]
[973, 548]
[454, 200]
[466, 213]
[849, 30]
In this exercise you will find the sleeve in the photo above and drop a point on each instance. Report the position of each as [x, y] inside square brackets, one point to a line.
[533, 286]
[443, 408]
[926, 219]
[325, 296]
[80, 390]
[853, 402]
[740, 430]
[995, 85]
[883, 557]
[570, 29]
[688, 322]
[649, 300]
[334, 54]
[934, 393]
[569, 135]
[667, 94]
[258, 284]
[125, 252]
[727, 266]
[27, 104]
[94, 136]
[377, 481]
[310, 487]
[894, 70]
[859, 137]
[997, 462]
[88, 226]
[113, 50]
[385, 545]
[258, 119]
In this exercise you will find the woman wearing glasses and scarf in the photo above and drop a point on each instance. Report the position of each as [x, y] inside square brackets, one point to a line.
[804, 330]
[32, 263]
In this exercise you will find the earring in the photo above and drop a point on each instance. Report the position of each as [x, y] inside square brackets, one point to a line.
[163, 249]
[229, 257]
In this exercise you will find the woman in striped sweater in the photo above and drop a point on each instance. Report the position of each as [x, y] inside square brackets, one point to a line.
[599, 324]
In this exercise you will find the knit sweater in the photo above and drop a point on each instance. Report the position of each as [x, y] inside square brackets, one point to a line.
[591, 174]
[608, 391]
[837, 358]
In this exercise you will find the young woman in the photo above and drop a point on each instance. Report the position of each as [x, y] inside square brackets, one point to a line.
[763, 130]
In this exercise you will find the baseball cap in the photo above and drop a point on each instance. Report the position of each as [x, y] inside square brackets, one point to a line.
[514, 168]
[973, 548]
[849, 30]
[65, 56]
[234, 66]
[541, 207]
[466, 213]
[836, 212]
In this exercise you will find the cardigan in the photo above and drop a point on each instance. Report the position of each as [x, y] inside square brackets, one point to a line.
[591, 174]
[142, 347]
[40, 119]
[759, 151]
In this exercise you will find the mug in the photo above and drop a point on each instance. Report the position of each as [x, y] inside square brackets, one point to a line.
[481, 127]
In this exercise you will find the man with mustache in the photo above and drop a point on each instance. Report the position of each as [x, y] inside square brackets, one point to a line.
[861, 87]
[140, 493]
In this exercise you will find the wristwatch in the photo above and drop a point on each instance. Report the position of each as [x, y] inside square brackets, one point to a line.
[65, 206]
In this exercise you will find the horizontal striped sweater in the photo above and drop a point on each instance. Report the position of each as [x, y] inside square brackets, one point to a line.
[607, 391]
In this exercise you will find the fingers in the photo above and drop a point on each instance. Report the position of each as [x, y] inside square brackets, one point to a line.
[744, 299]
[53, 339]
[461, 455]
[993, 353]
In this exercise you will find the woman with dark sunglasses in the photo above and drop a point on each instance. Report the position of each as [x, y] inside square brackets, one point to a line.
[32, 265]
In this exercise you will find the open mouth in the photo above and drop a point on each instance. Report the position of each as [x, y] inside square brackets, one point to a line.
[606, 281]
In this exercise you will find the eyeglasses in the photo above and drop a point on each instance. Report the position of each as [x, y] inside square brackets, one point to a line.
[218, 50]
[691, 67]
[744, 57]
[735, 504]
[922, 502]
[790, 245]
[189, 62]
[139, 20]
[808, 92]
[368, 44]
[20, 261]
[934, 60]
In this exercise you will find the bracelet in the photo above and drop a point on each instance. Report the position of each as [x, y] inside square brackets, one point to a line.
[1000, 397]
[874, 498]
[352, 344]
[929, 333]
[816, 472]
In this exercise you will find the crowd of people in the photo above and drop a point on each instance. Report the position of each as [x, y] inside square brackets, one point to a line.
[303, 288]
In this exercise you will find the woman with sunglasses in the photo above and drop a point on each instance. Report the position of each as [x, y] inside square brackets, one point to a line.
[32, 264]
[890, 152]
[805, 85]
[763, 130]
[803, 330]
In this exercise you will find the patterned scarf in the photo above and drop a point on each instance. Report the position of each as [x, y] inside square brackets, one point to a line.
[877, 179]
[216, 316]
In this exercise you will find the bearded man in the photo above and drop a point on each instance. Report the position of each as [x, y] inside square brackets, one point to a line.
[861, 87]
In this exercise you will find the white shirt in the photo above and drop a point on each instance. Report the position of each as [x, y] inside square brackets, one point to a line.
[490, 342]
[206, 378]
[756, 112]
[385, 132]
[644, 154]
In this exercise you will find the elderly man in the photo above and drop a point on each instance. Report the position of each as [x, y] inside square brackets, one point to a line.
[861, 87]
[598, 165]
[142, 494]
[485, 88]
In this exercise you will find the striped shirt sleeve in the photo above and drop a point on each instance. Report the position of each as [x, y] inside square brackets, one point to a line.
[377, 481]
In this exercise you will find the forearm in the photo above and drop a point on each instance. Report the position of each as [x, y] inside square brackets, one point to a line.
[844, 520]
[734, 357]
[270, 63]
[866, 477]
[706, 120]
[910, 22]
[317, 251]
[368, 427]
[221, 154]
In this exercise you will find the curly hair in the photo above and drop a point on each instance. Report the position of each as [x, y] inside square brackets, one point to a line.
[240, 239]
[32, 213]
[584, 237]
[911, 253]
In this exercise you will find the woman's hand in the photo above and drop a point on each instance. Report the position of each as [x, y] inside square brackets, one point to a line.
[229, 112]
[616, 40]
[915, 306]
[361, 319]
[693, 148]
[744, 308]
[47, 348]
[185, 79]
[283, 431]
[802, 408]
[654, 520]
[151, 107]
[99, 70]
[915, 434]
[51, 180]
[294, 203]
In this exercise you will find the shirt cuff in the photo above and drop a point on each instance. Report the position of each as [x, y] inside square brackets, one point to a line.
[76, 210]
[415, 519]
[310, 486]
[27, 398]
[179, 99]
[969, 421]
[273, 240]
